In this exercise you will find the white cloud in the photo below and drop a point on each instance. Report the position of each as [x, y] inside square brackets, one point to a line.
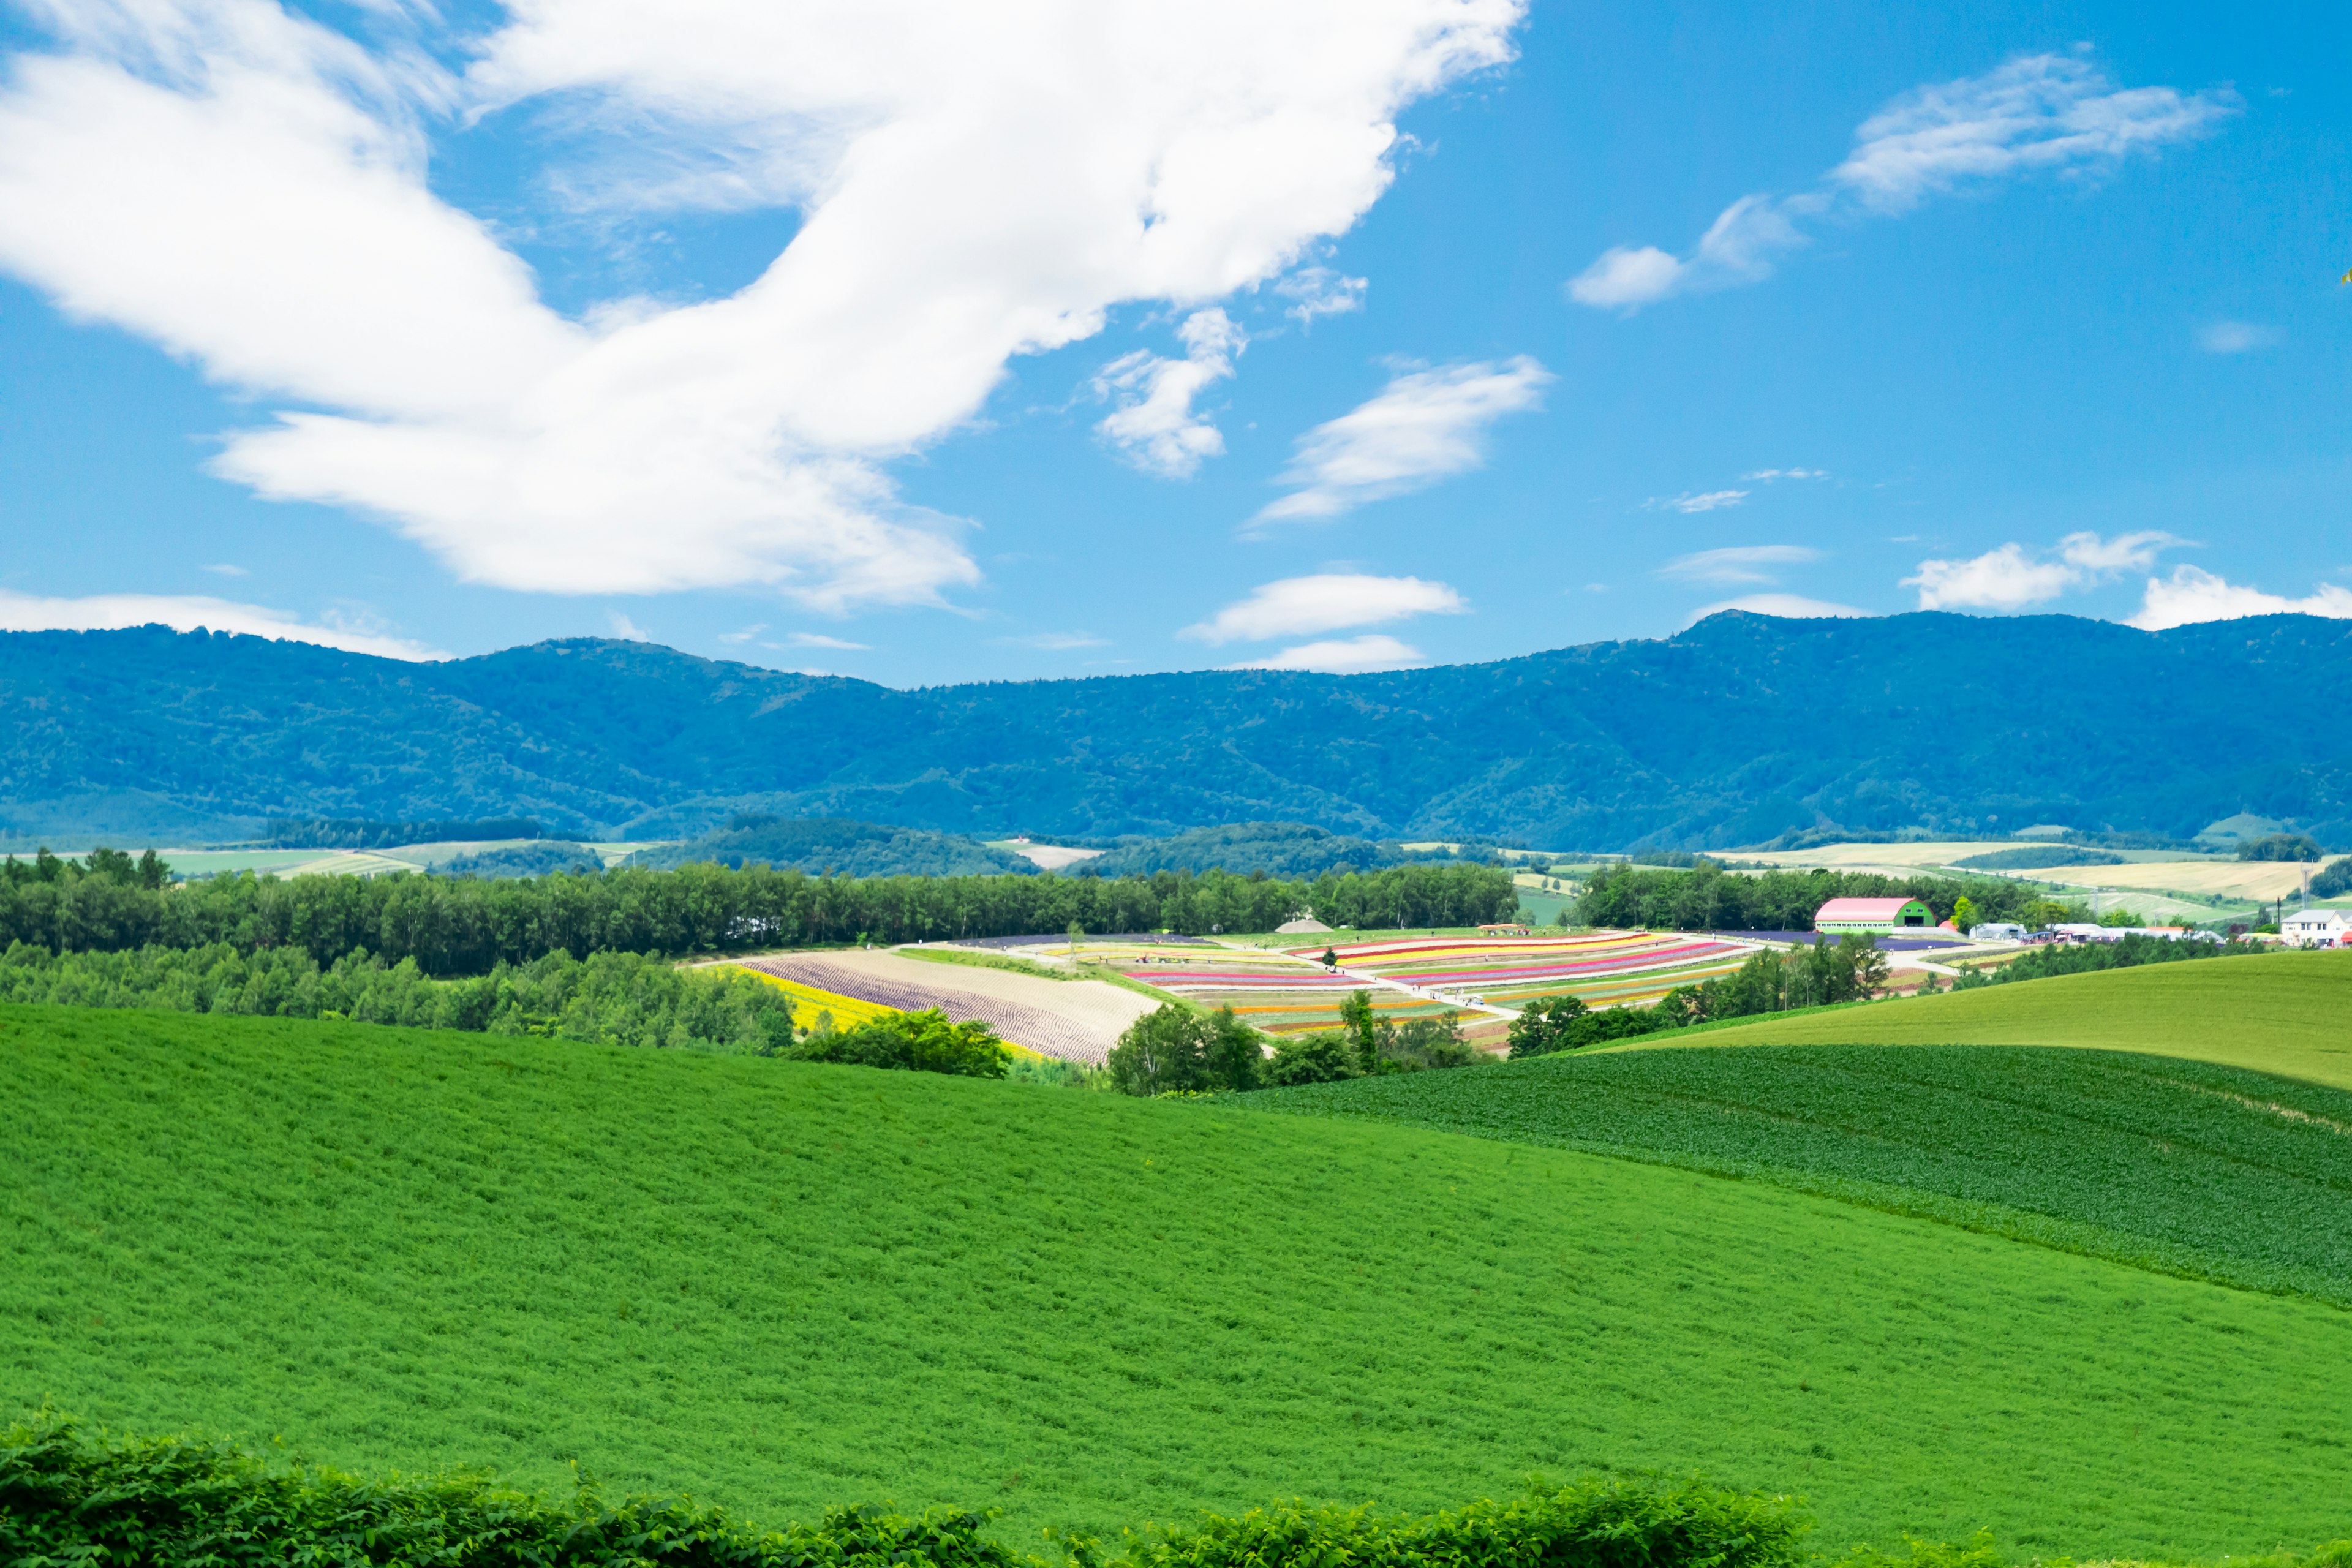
[973, 184]
[1737, 563]
[746, 635]
[1712, 500]
[1789, 606]
[224, 568]
[2010, 578]
[1765, 475]
[625, 628]
[1344, 656]
[817, 640]
[2236, 337]
[1321, 292]
[2190, 594]
[1301, 606]
[1423, 426]
[191, 612]
[2038, 113]
[1154, 426]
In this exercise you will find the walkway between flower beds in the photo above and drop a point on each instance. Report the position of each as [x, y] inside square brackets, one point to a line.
[1075, 1020]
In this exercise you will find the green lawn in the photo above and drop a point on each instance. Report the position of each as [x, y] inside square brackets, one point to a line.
[2285, 1013]
[2188, 1167]
[783, 1285]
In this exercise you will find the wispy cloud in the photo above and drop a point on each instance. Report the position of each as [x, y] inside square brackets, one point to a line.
[2013, 578]
[1737, 563]
[1425, 426]
[1155, 428]
[2052, 113]
[1766, 475]
[1344, 656]
[1789, 606]
[818, 639]
[625, 628]
[746, 635]
[1301, 606]
[1709, 500]
[1320, 292]
[2236, 337]
[224, 569]
[188, 613]
[2190, 594]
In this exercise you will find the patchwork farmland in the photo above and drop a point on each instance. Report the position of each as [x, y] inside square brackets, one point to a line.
[1288, 990]
[1076, 1021]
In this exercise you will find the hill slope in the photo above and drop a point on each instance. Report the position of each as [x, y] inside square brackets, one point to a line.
[2189, 1168]
[2283, 1013]
[1730, 732]
[792, 1285]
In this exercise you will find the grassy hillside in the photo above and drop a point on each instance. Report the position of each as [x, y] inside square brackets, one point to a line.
[790, 1285]
[2207, 1171]
[2285, 1013]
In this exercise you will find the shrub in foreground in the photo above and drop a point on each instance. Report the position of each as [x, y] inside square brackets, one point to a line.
[925, 1041]
[70, 1497]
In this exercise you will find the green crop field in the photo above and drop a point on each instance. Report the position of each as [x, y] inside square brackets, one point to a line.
[2286, 1013]
[785, 1285]
[2207, 1171]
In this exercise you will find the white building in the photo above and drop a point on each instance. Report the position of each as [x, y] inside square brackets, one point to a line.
[1996, 931]
[2317, 928]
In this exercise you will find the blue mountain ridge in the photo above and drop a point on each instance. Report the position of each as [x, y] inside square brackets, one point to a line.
[1739, 729]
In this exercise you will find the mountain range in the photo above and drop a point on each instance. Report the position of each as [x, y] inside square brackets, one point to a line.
[1742, 728]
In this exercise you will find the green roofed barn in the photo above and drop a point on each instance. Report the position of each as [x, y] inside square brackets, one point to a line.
[1873, 917]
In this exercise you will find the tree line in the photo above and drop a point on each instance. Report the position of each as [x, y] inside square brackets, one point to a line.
[1708, 897]
[454, 926]
[609, 998]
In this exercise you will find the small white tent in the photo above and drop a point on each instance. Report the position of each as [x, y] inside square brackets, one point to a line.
[1301, 928]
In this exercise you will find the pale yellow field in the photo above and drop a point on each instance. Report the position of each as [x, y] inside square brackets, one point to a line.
[1891, 857]
[2255, 881]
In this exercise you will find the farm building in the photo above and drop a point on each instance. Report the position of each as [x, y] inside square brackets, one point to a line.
[1873, 917]
[2317, 928]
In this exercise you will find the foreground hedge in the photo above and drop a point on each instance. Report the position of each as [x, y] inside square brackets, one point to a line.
[69, 1497]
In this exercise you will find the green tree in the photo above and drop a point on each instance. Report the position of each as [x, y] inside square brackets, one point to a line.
[1545, 1026]
[1357, 1018]
[1964, 912]
[1236, 1059]
[1163, 1052]
[1310, 1058]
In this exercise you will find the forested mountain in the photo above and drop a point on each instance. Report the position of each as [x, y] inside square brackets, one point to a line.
[1740, 729]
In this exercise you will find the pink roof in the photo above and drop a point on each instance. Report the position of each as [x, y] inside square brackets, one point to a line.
[1862, 910]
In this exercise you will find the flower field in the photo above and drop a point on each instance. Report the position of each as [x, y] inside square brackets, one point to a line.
[1069, 1020]
[1603, 969]
[1287, 991]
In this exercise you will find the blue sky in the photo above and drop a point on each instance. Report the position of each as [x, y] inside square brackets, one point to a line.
[1107, 348]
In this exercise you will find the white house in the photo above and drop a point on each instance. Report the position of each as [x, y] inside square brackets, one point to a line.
[1996, 931]
[2317, 928]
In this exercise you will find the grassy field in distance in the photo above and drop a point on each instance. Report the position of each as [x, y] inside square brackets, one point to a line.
[2280, 1013]
[791, 1285]
[2191, 1168]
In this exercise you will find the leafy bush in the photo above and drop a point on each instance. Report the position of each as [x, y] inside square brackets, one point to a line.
[613, 998]
[1177, 1050]
[1310, 1058]
[2332, 881]
[66, 1497]
[1542, 1026]
[925, 1041]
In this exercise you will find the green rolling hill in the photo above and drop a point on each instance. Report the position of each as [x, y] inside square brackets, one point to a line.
[791, 1286]
[2284, 1013]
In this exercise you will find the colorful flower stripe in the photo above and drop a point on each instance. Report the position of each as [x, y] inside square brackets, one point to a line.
[1655, 958]
[848, 1012]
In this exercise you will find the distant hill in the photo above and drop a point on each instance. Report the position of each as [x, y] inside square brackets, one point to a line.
[1740, 729]
[819, 844]
[1290, 849]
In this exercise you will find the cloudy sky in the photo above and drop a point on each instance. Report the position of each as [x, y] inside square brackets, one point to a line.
[927, 342]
